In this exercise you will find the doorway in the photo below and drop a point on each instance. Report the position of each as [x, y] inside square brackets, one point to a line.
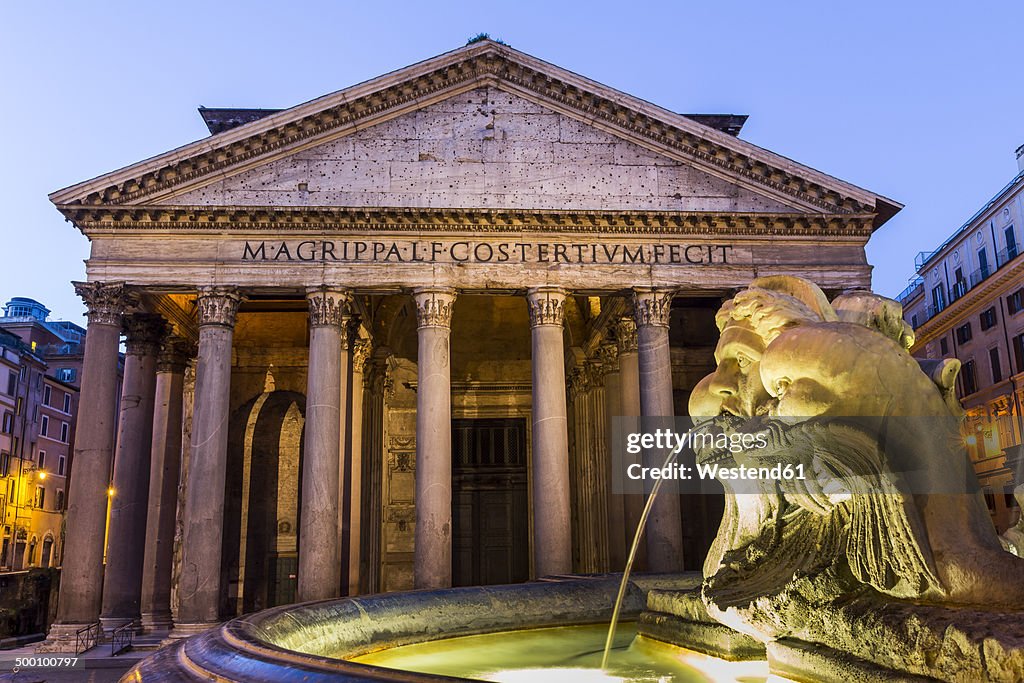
[490, 522]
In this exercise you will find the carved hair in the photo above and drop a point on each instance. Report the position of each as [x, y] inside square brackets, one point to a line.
[768, 312]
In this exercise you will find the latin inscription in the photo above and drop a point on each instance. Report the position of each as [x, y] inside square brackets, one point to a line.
[486, 252]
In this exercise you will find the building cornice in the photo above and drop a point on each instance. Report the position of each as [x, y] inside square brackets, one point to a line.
[486, 63]
[97, 220]
[979, 298]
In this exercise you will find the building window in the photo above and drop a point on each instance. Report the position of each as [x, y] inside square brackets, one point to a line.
[997, 370]
[12, 384]
[988, 318]
[61, 461]
[963, 333]
[44, 428]
[42, 459]
[1015, 301]
[1011, 243]
[40, 497]
[64, 432]
[66, 374]
[959, 285]
[1018, 352]
[60, 500]
[913, 321]
[5, 464]
[944, 346]
[938, 298]
[983, 263]
[47, 394]
[8, 424]
[67, 402]
[970, 379]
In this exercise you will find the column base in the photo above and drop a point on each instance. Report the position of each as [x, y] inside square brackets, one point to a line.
[156, 621]
[65, 638]
[181, 631]
[111, 624]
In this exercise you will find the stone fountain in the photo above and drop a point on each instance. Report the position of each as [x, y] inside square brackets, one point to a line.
[881, 564]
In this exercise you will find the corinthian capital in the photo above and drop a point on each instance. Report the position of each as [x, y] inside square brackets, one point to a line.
[328, 307]
[361, 350]
[580, 381]
[625, 335]
[106, 301]
[218, 306]
[174, 355]
[434, 306]
[143, 333]
[651, 307]
[607, 357]
[547, 306]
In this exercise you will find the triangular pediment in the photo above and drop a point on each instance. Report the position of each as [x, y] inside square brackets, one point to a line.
[485, 148]
[484, 126]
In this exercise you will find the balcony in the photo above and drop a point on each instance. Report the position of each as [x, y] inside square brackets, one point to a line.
[1006, 255]
[912, 290]
[961, 287]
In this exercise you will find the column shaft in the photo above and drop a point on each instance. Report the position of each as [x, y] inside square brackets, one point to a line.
[664, 529]
[203, 518]
[616, 501]
[126, 537]
[319, 570]
[629, 401]
[552, 517]
[433, 552]
[82, 571]
[165, 469]
[360, 349]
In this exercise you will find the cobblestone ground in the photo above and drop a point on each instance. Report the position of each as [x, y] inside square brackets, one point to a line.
[104, 675]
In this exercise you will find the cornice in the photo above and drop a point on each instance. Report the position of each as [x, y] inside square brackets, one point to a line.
[95, 220]
[979, 298]
[358, 107]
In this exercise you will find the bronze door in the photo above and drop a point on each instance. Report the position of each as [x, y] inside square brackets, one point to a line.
[489, 502]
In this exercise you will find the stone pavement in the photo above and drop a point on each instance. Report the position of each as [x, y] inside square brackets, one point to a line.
[100, 667]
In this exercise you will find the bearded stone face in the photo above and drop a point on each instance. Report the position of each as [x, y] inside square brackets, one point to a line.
[735, 387]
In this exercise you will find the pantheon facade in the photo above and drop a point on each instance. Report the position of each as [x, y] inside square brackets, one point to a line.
[374, 342]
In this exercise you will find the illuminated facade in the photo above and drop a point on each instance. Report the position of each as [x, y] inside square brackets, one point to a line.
[374, 341]
[967, 302]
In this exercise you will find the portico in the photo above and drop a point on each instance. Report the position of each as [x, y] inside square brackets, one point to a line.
[414, 317]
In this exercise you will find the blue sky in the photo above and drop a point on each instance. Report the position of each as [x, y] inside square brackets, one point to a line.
[919, 102]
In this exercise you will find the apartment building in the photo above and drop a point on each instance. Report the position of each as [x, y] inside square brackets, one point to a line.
[967, 302]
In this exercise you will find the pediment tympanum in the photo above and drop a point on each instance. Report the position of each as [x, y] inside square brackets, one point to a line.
[485, 148]
[483, 126]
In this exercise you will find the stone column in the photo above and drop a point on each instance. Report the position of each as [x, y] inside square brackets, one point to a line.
[433, 552]
[126, 535]
[552, 517]
[360, 352]
[82, 571]
[319, 571]
[165, 468]
[651, 308]
[203, 517]
[608, 355]
[629, 406]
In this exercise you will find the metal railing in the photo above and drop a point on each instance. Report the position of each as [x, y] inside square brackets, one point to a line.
[121, 638]
[961, 287]
[1006, 255]
[916, 284]
[87, 637]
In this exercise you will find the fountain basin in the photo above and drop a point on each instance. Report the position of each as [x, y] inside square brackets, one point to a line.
[314, 641]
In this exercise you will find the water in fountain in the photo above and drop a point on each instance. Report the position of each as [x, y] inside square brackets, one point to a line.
[629, 564]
